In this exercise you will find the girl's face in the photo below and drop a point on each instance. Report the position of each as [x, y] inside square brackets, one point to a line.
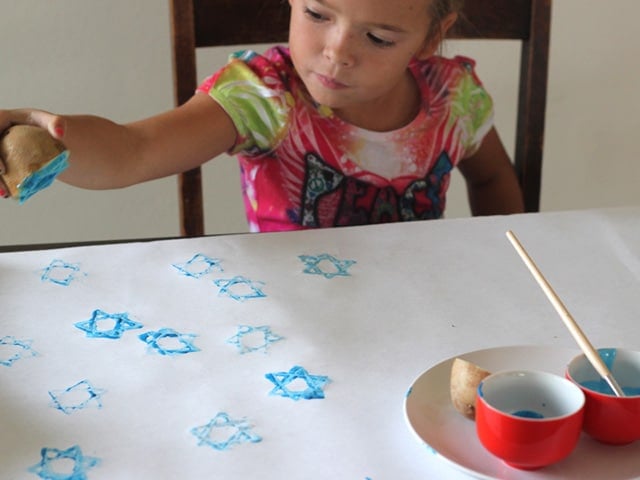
[352, 55]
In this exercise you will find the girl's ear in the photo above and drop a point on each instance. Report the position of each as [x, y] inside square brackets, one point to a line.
[432, 43]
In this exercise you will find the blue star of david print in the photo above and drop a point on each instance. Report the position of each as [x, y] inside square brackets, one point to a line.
[121, 323]
[198, 266]
[22, 349]
[230, 287]
[47, 470]
[239, 339]
[156, 339]
[241, 432]
[60, 273]
[281, 380]
[92, 397]
[335, 268]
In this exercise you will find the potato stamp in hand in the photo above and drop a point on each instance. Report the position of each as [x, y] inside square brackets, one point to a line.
[465, 378]
[33, 159]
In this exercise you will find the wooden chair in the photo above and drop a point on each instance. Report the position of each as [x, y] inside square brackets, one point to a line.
[207, 23]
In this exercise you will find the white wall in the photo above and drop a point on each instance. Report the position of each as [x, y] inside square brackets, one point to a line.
[112, 58]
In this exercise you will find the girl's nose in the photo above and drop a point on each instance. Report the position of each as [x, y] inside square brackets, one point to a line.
[338, 49]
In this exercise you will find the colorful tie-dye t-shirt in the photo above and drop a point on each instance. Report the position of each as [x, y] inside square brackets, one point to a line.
[302, 166]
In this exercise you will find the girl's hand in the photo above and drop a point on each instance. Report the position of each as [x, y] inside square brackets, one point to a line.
[54, 124]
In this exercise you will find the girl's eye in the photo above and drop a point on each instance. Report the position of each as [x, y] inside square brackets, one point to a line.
[314, 16]
[379, 42]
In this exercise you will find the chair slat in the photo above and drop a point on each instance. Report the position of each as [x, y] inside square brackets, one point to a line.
[237, 22]
[494, 20]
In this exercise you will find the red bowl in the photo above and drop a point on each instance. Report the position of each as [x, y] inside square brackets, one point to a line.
[529, 419]
[608, 418]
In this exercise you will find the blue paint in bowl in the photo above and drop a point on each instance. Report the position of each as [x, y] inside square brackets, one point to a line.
[527, 414]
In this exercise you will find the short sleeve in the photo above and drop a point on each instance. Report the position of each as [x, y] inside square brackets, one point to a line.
[251, 91]
[471, 106]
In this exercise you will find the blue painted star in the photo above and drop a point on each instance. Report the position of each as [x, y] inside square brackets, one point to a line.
[20, 349]
[241, 433]
[161, 341]
[241, 338]
[60, 272]
[199, 265]
[88, 393]
[47, 469]
[120, 323]
[326, 265]
[232, 287]
[281, 380]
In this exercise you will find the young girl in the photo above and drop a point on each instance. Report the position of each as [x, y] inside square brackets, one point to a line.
[358, 121]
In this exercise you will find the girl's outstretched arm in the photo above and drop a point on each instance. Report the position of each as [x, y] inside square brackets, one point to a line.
[492, 185]
[105, 154]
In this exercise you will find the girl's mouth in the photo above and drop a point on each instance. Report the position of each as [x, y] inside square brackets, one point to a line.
[329, 82]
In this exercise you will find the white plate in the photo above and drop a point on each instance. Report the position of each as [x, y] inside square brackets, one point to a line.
[452, 437]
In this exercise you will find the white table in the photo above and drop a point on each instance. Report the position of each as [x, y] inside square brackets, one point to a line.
[416, 294]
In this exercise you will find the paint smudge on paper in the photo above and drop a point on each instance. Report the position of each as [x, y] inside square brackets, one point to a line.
[326, 265]
[54, 462]
[222, 432]
[60, 272]
[198, 266]
[245, 341]
[286, 384]
[77, 397]
[119, 323]
[12, 350]
[239, 288]
[169, 342]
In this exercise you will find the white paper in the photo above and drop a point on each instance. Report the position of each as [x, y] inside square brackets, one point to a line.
[363, 314]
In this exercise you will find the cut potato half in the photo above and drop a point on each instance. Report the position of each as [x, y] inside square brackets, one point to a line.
[465, 378]
[25, 149]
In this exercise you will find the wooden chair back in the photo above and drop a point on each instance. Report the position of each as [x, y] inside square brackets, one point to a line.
[208, 23]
